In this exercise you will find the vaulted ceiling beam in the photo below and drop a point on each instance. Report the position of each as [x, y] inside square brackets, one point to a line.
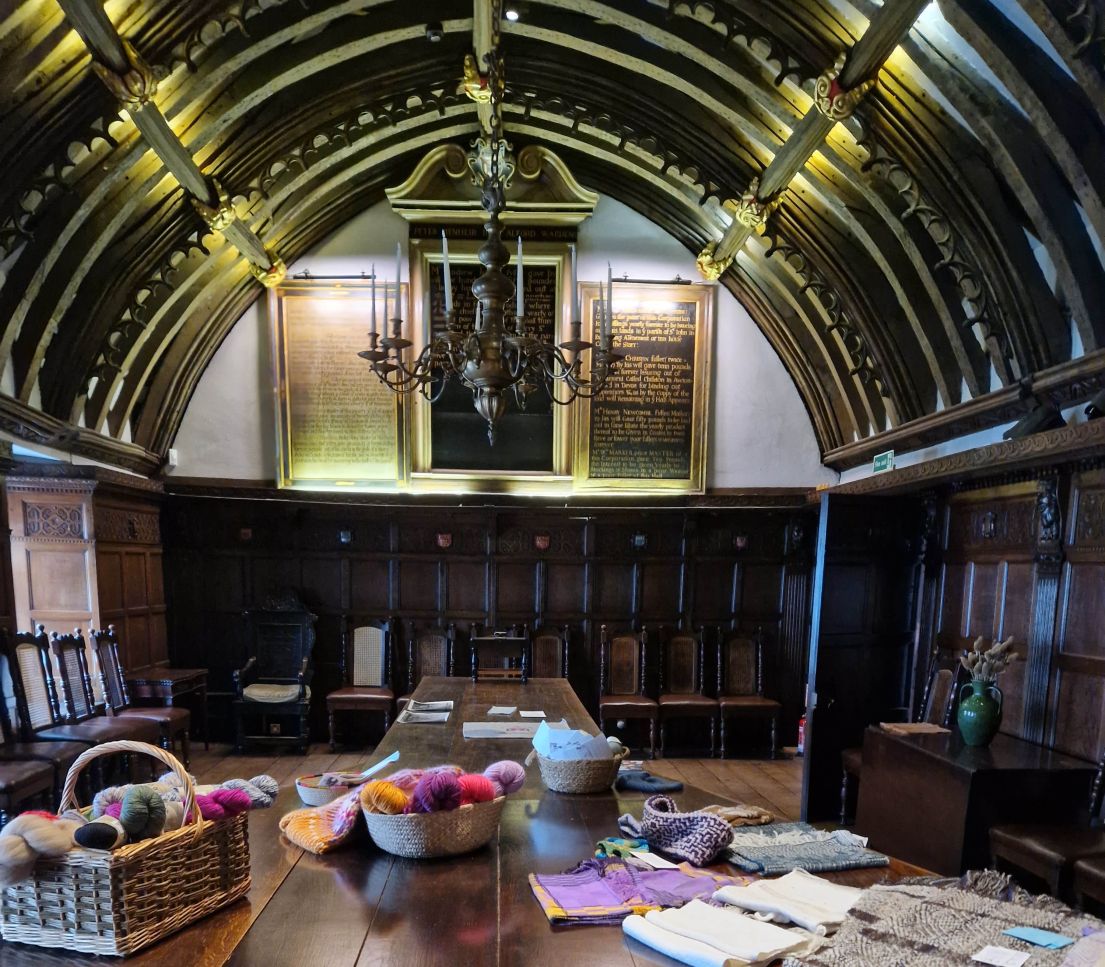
[134, 83]
[837, 93]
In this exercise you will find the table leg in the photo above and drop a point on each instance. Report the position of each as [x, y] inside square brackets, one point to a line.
[203, 705]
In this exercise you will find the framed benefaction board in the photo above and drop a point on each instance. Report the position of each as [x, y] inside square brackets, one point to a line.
[337, 426]
[647, 430]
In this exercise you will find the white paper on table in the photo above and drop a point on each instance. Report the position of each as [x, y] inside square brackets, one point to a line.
[653, 860]
[534, 714]
[558, 742]
[498, 730]
[503, 710]
[1000, 956]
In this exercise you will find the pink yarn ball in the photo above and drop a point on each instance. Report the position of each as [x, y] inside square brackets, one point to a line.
[506, 776]
[407, 779]
[113, 809]
[435, 792]
[475, 788]
[223, 803]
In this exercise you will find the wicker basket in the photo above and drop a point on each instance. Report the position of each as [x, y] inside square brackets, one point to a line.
[117, 902]
[426, 835]
[580, 775]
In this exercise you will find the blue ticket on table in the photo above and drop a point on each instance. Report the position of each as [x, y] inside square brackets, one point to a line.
[1041, 938]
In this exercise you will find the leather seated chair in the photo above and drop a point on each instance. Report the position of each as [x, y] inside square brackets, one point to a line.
[740, 678]
[622, 661]
[366, 673]
[682, 693]
[429, 652]
[1052, 852]
[1089, 879]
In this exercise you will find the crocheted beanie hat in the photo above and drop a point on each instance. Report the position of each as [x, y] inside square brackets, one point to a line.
[695, 837]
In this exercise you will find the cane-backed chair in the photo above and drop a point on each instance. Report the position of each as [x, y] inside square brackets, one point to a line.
[682, 692]
[740, 677]
[622, 662]
[173, 722]
[273, 688]
[549, 653]
[429, 652]
[367, 667]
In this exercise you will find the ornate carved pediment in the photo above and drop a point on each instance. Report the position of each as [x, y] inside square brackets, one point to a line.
[542, 191]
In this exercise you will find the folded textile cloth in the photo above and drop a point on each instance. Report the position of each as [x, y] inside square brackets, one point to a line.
[799, 897]
[696, 837]
[609, 889]
[782, 847]
[941, 923]
[319, 829]
[729, 931]
[1089, 951]
[683, 949]
[613, 846]
[637, 780]
[742, 814]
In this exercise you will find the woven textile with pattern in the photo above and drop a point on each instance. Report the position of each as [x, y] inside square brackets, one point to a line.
[940, 922]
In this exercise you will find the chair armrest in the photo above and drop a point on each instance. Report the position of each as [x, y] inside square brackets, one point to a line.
[243, 675]
[304, 677]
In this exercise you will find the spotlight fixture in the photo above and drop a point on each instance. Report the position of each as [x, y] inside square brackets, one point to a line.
[511, 15]
[1096, 406]
[1043, 416]
[434, 32]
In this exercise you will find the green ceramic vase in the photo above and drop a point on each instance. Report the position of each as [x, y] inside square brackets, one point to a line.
[979, 714]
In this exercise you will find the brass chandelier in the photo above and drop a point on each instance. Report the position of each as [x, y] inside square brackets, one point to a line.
[497, 358]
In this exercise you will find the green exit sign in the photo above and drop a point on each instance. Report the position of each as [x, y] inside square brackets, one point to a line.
[883, 462]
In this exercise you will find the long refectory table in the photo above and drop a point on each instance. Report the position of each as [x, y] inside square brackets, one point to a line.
[361, 906]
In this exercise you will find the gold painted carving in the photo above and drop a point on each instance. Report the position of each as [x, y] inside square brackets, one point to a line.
[218, 219]
[710, 268]
[272, 276]
[751, 211]
[833, 101]
[133, 89]
[474, 84]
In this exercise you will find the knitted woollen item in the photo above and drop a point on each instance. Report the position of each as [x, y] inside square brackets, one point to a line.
[475, 788]
[696, 837]
[174, 814]
[383, 797]
[29, 836]
[640, 781]
[107, 832]
[436, 792]
[507, 776]
[319, 829]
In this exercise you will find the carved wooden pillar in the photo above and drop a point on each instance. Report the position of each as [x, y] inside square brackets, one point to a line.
[926, 619]
[1048, 568]
[793, 632]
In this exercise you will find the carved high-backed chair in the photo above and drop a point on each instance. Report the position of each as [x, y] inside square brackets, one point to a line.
[273, 687]
[682, 694]
[549, 653]
[367, 673]
[429, 652]
[740, 678]
[622, 660]
[173, 722]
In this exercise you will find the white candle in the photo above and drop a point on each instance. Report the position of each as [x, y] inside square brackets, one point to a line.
[518, 285]
[448, 275]
[609, 302]
[398, 270]
[575, 286]
[385, 306]
[374, 300]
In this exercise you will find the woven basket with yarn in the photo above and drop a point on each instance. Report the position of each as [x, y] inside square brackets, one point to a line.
[426, 835]
[580, 775]
[121, 901]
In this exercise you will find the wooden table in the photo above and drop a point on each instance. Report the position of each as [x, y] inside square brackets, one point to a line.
[158, 685]
[360, 906]
[931, 800]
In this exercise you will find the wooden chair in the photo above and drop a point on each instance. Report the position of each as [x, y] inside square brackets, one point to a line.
[429, 652]
[740, 684]
[622, 660]
[25, 784]
[1052, 852]
[549, 653]
[173, 723]
[367, 673]
[273, 688]
[58, 755]
[499, 655]
[945, 674]
[682, 694]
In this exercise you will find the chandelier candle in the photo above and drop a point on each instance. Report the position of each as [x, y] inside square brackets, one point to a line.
[448, 275]
[519, 290]
[373, 305]
[608, 324]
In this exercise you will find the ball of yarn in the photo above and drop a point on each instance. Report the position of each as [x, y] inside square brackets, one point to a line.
[506, 776]
[142, 814]
[107, 832]
[29, 836]
[222, 803]
[475, 787]
[407, 779]
[262, 790]
[105, 797]
[435, 792]
[381, 796]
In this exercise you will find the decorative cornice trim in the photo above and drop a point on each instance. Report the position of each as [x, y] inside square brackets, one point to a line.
[1067, 444]
[34, 426]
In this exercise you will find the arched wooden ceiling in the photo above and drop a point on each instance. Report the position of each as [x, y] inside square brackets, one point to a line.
[942, 246]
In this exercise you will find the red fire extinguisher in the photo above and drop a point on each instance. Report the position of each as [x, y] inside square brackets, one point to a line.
[802, 735]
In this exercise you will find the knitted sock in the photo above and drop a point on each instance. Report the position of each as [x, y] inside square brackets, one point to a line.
[641, 781]
[319, 829]
[696, 837]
